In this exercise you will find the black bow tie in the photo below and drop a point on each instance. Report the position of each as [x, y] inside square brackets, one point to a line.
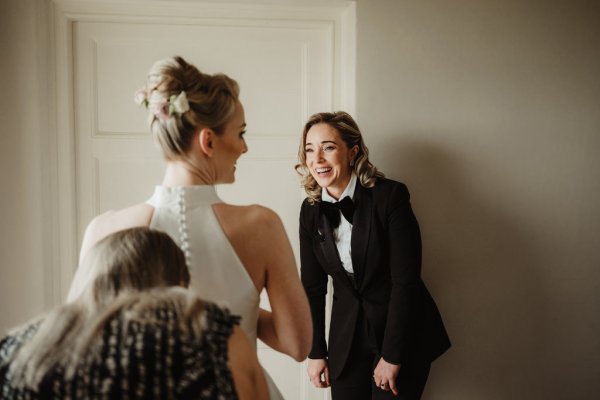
[332, 211]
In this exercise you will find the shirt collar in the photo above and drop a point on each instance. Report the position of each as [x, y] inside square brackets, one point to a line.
[349, 191]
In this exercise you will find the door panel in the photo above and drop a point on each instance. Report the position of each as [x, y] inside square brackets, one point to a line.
[284, 76]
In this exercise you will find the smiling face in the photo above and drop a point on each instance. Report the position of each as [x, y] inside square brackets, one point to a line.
[230, 145]
[328, 158]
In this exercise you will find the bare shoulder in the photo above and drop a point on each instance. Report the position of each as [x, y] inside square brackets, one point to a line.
[116, 220]
[113, 221]
[254, 217]
[263, 215]
[252, 230]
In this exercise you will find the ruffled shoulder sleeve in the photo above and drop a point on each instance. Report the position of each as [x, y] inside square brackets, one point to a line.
[207, 367]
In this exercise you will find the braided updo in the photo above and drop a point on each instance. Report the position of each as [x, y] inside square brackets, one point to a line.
[211, 98]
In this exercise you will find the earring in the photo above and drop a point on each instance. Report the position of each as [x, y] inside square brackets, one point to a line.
[352, 163]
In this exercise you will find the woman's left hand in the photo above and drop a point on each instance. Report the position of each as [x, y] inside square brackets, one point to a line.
[385, 375]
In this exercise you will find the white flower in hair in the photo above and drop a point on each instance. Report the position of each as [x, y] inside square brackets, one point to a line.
[158, 106]
[178, 104]
[141, 97]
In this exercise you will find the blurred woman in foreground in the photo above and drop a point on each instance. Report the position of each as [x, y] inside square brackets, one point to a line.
[135, 332]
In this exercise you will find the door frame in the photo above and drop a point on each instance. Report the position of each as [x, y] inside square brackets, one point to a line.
[61, 193]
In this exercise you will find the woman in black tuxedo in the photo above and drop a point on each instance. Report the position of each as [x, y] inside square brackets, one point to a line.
[358, 227]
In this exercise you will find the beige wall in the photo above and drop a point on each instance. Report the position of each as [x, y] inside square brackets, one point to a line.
[488, 110]
[22, 104]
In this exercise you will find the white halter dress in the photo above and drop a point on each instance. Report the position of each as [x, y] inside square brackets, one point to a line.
[217, 273]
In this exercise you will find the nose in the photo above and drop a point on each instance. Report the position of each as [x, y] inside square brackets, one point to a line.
[319, 155]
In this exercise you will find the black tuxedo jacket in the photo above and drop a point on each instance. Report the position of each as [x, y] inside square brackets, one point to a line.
[386, 256]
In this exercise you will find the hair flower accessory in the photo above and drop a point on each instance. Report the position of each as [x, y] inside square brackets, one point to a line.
[162, 108]
[178, 104]
[141, 97]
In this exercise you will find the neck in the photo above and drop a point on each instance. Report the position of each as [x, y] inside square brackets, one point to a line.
[337, 190]
[183, 173]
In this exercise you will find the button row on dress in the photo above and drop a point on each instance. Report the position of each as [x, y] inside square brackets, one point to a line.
[183, 236]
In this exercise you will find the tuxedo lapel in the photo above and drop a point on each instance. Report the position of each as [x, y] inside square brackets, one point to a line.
[330, 251]
[361, 229]
[327, 243]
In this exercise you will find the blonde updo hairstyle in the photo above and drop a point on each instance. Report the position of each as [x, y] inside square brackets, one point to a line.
[212, 100]
[347, 128]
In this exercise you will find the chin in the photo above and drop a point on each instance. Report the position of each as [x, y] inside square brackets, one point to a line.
[325, 183]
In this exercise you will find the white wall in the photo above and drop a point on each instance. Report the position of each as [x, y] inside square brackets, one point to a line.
[490, 112]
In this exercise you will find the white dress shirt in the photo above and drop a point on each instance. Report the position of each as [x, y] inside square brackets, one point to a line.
[343, 233]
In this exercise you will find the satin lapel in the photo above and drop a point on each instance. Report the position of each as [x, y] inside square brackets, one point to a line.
[327, 243]
[361, 229]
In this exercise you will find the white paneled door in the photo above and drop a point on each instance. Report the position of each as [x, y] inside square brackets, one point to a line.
[290, 62]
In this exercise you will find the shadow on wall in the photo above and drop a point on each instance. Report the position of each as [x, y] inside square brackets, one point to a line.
[480, 270]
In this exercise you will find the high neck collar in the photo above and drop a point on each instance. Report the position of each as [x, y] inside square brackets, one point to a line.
[190, 195]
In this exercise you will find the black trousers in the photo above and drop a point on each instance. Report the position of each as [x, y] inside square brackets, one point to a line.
[356, 380]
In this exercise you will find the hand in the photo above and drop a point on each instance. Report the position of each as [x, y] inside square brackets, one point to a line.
[385, 375]
[318, 372]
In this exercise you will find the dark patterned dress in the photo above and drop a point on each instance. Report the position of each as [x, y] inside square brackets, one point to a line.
[139, 360]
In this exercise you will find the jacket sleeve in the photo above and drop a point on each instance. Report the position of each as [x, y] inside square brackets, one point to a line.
[404, 241]
[314, 280]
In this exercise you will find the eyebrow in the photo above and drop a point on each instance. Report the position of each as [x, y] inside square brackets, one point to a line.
[324, 141]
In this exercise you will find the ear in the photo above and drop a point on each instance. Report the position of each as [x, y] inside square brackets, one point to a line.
[206, 139]
[353, 152]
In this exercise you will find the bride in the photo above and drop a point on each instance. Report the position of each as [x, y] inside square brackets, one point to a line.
[233, 252]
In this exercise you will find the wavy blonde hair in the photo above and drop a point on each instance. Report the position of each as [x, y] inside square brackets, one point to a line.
[347, 128]
[125, 263]
[212, 100]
